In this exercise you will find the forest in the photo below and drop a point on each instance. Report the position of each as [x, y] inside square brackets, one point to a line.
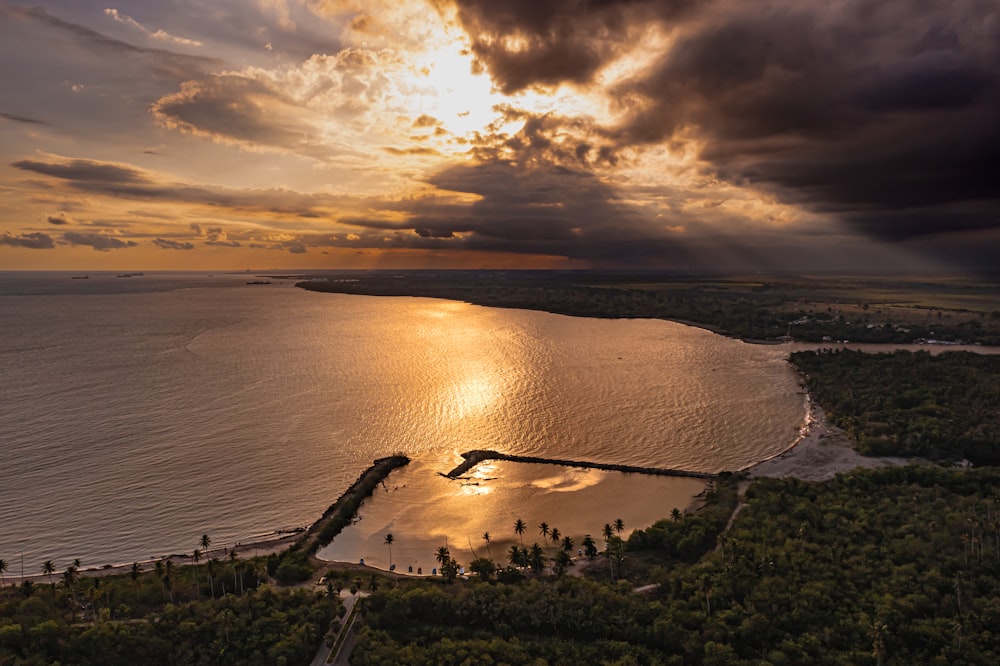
[911, 404]
[218, 612]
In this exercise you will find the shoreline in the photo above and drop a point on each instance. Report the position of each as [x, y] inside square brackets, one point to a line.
[261, 545]
[310, 284]
[813, 418]
[820, 453]
[279, 541]
[815, 436]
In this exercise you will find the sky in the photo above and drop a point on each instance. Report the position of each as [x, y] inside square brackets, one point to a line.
[675, 134]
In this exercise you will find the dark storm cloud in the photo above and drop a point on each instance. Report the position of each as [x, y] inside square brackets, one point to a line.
[523, 43]
[882, 113]
[540, 209]
[34, 241]
[99, 242]
[167, 244]
[547, 138]
[59, 219]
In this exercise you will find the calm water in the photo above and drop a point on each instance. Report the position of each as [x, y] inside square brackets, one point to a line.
[138, 413]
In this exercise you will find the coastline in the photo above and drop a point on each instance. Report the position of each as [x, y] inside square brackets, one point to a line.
[820, 453]
[264, 545]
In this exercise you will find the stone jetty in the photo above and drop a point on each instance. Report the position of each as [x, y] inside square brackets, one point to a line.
[473, 458]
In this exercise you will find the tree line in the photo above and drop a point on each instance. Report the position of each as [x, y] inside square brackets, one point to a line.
[911, 403]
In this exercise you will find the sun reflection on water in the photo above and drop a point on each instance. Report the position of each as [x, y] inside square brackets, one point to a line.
[473, 396]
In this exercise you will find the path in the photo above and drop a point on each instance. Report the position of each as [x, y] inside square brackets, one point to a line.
[343, 645]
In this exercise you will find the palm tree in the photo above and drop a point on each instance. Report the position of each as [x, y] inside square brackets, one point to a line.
[442, 555]
[3, 568]
[675, 515]
[519, 528]
[555, 536]
[232, 558]
[589, 547]
[168, 580]
[205, 541]
[134, 575]
[536, 558]
[158, 570]
[514, 556]
[196, 556]
[388, 542]
[211, 577]
[486, 538]
[608, 535]
[69, 578]
[48, 568]
[226, 617]
[563, 560]
[619, 528]
[567, 544]
[543, 529]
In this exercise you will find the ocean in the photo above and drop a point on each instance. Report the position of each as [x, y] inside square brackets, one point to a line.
[138, 413]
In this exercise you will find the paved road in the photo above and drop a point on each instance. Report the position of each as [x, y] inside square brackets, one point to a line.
[345, 651]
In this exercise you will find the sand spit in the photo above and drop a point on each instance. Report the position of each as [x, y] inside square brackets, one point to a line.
[822, 452]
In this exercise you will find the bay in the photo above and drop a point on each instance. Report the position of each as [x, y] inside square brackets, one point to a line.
[138, 413]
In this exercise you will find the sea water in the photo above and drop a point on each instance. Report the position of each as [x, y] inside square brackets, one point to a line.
[138, 413]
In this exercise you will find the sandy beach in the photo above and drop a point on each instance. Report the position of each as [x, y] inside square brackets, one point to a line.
[822, 452]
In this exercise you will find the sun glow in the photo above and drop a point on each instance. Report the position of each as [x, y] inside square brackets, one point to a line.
[462, 101]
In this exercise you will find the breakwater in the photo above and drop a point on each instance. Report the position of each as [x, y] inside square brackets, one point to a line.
[342, 512]
[473, 458]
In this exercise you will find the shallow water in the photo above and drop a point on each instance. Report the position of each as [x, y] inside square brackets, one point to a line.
[423, 511]
[137, 414]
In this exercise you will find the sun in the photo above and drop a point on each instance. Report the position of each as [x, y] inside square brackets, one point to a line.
[462, 101]
[465, 102]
